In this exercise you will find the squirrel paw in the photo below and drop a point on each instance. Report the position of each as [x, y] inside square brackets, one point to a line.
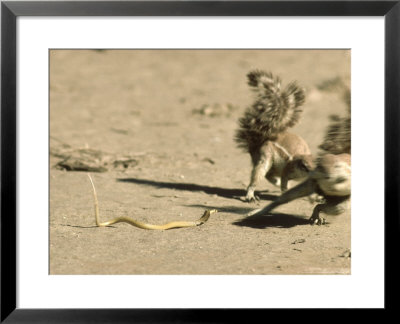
[252, 198]
[319, 220]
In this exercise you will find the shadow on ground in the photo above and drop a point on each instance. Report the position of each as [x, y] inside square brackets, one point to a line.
[77, 226]
[272, 220]
[222, 192]
[226, 209]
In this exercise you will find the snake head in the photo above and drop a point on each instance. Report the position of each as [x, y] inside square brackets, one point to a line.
[206, 216]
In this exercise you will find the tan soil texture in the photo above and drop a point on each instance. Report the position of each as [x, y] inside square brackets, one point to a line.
[173, 114]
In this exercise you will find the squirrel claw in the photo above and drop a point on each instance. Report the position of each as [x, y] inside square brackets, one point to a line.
[317, 220]
[252, 198]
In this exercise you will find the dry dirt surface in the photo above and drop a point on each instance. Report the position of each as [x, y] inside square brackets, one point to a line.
[156, 129]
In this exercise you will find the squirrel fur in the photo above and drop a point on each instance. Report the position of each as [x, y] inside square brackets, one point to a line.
[276, 154]
[331, 178]
[338, 135]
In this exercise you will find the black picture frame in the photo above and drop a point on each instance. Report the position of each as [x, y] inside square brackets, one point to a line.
[10, 10]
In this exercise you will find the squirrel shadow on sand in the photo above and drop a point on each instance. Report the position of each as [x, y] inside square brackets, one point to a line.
[278, 220]
[222, 192]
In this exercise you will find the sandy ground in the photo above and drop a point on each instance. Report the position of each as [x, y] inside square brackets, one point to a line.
[174, 114]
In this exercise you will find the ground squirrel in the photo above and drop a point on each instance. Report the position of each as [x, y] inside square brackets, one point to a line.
[275, 154]
[332, 176]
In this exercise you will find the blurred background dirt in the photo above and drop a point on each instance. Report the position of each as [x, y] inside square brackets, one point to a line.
[168, 118]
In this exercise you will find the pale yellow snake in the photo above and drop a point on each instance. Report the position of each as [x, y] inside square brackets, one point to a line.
[136, 223]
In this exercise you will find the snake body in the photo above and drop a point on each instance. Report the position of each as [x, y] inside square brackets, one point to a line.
[176, 224]
[130, 221]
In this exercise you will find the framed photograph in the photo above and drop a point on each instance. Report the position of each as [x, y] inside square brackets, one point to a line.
[164, 158]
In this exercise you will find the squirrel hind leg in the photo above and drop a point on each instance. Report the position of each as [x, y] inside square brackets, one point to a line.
[259, 171]
[333, 206]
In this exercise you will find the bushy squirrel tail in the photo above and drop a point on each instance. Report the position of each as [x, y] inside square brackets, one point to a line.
[337, 139]
[273, 111]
